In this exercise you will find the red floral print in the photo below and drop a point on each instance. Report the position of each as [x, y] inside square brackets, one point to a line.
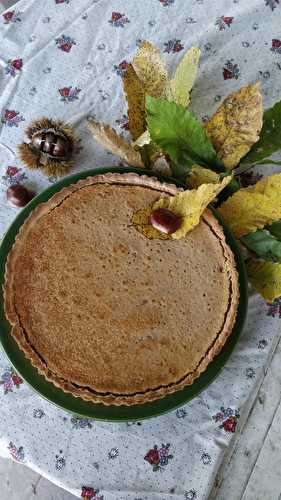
[118, 20]
[228, 418]
[13, 65]
[90, 494]
[121, 67]
[12, 118]
[69, 94]
[174, 46]
[158, 457]
[224, 21]
[276, 45]
[65, 43]
[11, 16]
[231, 70]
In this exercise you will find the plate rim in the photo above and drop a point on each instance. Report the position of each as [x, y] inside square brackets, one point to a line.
[99, 411]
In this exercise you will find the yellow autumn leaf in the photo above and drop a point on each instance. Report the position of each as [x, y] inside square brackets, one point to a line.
[265, 278]
[200, 175]
[151, 70]
[236, 125]
[116, 144]
[189, 205]
[184, 77]
[135, 96]
[253, 207]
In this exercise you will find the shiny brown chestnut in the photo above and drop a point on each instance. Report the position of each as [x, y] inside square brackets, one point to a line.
[165, 221]
[18, 195]
[51, 143]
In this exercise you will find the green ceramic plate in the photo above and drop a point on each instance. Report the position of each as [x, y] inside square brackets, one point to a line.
[98, 411]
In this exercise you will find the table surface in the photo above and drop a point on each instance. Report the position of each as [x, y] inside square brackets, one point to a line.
[251, 473]
[72, 56]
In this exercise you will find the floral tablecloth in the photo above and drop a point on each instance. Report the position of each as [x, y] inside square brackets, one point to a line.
[65, 59]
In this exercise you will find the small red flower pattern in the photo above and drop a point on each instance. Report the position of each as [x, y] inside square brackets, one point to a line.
[9, 380]
[228, 419]
[276, 45]
[69, 94]
[159, 457]
[167, 3]
[274, 309]
[13, 66]
[14, 175]
[121, 68]
[65, 43]
[90, 494]
[231, 70]
[16, 453]
[173, 46]
[118, 20]
[223, 21]
[11, 16]
[12, 118]
[123, 122]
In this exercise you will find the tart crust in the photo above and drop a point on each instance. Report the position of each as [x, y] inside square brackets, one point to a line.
[89, 392]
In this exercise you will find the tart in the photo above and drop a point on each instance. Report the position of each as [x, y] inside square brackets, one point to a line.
[105, 313]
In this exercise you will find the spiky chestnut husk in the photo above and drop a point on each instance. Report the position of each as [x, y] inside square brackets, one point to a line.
[34, 157]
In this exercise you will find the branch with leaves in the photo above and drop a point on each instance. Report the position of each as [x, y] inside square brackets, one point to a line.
[238, 136]
[147, 75]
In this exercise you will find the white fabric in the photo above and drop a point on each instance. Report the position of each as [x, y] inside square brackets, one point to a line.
[110, 457]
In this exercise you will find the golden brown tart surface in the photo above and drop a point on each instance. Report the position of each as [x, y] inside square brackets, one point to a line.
[107, 314]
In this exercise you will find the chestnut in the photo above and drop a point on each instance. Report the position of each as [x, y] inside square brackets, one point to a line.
[165, 221]
[51, 143]
[18, 195]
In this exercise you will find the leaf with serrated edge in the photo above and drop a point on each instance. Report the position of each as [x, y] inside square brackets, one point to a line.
[184, 78]
[189, 205]
[201, 175]
[151, 70]
[265, 278]
[264, 244]
[179, 134]
[135, 96]
[270, 136]
[253, 207]
[115, 143]
[236, 125]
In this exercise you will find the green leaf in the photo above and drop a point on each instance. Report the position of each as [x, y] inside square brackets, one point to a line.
[270, 136]
[180, 135]
[264, 244]
[180, 171]
[267, 161]
[275, 229]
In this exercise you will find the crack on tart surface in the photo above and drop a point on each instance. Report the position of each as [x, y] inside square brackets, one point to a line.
[110, 397]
